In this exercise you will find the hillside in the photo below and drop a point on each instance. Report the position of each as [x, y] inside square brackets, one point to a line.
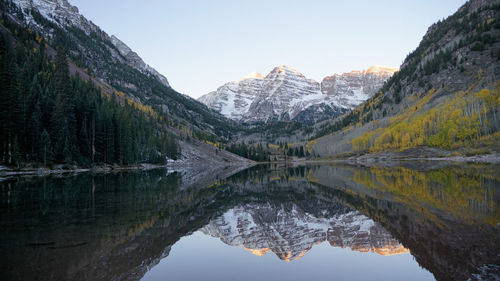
[446, 95]
[60, 102]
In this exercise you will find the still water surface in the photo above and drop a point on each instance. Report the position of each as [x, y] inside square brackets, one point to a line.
[417, 221]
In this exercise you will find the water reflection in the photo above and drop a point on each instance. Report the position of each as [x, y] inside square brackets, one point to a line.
[289, 231]
[119, 226]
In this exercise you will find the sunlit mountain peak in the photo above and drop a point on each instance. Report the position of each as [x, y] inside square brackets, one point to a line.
[253, 75]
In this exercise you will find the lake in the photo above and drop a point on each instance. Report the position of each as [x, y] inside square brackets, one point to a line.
[391, 221]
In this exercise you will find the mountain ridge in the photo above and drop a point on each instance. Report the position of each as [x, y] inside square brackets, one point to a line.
[62, 13]
[284, 93]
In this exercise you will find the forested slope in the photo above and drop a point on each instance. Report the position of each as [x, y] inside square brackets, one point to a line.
[50, 117]
[446, 94]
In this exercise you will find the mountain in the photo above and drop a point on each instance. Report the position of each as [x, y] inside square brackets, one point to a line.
[116, 68]
[63, 14]
[444, 99]
[286, 94]
[73, 95]
[290, 232]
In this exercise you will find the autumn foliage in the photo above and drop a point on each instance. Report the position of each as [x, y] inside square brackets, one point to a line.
[459, 121]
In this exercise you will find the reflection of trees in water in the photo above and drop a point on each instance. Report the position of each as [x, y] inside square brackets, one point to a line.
[118, 225]
[467, 194]
[445, 216]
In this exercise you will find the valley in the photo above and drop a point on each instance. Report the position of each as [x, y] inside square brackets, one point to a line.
[453, 74]
[115, 169]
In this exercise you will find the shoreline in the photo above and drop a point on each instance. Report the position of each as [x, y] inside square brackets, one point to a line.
[374, 158]
[367, 158]
[44, 171]
[485, 158]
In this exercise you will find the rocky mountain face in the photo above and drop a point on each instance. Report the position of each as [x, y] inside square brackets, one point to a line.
[286, 94]
[289, 232]
[352, 88]
[63, 14]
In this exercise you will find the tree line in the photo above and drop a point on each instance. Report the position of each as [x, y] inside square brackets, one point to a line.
[253, 152]
[290, 150]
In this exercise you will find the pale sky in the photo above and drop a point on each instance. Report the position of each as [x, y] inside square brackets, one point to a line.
[200, 45]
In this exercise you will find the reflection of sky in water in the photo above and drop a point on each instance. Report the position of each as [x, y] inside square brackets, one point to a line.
[115, 226]
[201, 257]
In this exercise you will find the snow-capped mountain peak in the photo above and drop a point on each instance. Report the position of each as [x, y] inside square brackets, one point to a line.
[382, 70]
[59, 12]
[286, 69]
[252, 75]
[284, 93]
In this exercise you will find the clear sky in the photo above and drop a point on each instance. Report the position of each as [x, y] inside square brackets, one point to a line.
[201, 44]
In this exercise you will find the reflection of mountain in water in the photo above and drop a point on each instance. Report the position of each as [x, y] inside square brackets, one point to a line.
[447, 215]
[289, 231]
[118, 226]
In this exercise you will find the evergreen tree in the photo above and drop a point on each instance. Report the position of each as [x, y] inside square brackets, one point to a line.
[4, 96]
[301, 152]
[35, 129]
[46, 148]
[83, 137]
[58, 126]
[16, 153]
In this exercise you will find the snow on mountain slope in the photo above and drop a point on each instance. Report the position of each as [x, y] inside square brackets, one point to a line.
[62, 13]
[285, 93]
[236, 98]
[352, 88]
